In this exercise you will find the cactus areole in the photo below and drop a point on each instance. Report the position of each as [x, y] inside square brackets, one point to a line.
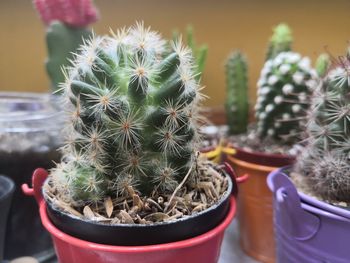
[132, 136]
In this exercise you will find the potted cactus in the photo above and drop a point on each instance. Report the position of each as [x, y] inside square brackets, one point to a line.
[284, 87]
[131, 186]
[311, 206]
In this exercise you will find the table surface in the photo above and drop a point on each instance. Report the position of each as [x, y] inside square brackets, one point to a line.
[231, 251]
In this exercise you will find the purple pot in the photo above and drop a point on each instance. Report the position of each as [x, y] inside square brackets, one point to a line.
[307, 230]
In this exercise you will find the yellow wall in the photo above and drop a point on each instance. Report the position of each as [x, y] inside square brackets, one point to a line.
[223, 24]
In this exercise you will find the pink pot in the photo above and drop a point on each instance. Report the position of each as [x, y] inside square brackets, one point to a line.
[204, 248]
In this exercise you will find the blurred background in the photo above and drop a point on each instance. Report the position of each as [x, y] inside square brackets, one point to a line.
[223, 24]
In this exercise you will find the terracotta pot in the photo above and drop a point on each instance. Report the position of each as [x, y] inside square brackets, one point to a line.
[255, 202]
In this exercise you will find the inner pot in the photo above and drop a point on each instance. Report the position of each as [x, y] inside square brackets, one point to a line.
[30, 133]
[138, 234]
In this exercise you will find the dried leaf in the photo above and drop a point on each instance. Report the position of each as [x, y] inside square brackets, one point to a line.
[156, 217]
[108, 206]
[136, 200]
[125, 217]
[199, 208]
[88, 213]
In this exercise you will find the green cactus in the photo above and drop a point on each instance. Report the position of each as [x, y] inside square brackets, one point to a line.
[284, 87]
[281, 41]
[322, 64]
[133, 116]
[62, 40]
[237, 104]
[199, 53]
[326, 159]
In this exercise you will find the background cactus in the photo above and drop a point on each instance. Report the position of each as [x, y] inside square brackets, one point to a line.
[66, 30]
[237, 104]
[326, 160]
[133, 120]
[199, 52]
[322, 64]
[284, 87]
[281, 41]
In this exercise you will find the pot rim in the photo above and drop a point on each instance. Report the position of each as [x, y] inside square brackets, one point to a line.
[259, 167]
[263, 154]
[132, 249]
[310, 203]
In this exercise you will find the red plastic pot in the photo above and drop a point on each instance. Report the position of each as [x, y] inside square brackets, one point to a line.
[200, 249]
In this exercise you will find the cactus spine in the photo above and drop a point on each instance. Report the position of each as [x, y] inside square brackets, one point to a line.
[326, 160]
[133, 120]
[285, 84]
[237, 104]
[67, 23]
[281, 41]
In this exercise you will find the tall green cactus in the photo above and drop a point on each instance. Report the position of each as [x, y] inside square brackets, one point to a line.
[133, 117]
[237, 103]
[62, 40]
[322, 64]
[326, 160]
[285, 84]
[199, 52]
[281, 41]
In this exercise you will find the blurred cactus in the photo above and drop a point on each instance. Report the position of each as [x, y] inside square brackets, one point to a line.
[322, 64]
[237, 104]
[326, 160]
[284, 87]
[199, 53]
[66, 22]
[133, 121]
[281, 41]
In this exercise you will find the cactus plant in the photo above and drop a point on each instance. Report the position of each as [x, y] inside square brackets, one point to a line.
[325, 161]
[322, 64]
[237, 104]
[67, 23]
[199, 52]
[133, 121]
[281, 41]
[284, 87]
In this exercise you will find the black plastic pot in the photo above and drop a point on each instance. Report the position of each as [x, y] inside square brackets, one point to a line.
[138, 235]
[7, 187]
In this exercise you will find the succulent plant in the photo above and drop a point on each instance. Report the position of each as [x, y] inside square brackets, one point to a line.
[281, 41]
[67, 22]
[284, 87]
[237, 102]
[133, 117]
[326, 159]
